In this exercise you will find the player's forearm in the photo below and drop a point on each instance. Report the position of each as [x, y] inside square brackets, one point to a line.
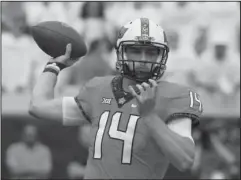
[179, 150]
[44, 88]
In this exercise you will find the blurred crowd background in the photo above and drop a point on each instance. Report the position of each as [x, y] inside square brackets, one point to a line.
[204, 39]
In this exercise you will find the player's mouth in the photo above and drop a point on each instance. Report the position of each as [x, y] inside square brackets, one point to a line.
[142, 76]
[142, 69]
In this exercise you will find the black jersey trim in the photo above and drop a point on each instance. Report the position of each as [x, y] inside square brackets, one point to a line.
[195, 119]
[81, 108]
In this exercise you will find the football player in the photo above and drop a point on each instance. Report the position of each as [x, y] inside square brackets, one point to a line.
[139, 123]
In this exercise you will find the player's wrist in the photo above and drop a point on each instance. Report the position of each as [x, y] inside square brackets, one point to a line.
[146, 112]
[54, 67]
[150, 116]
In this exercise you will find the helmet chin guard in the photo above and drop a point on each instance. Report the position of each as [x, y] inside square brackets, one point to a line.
[155, 73]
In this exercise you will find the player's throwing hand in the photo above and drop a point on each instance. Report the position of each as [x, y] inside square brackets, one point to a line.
[65, 59]
[145, 97]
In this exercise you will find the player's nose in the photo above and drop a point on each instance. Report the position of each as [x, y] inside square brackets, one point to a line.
[143, 56]
[143, 59]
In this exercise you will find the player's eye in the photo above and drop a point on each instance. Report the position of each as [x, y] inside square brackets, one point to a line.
[134, 50]
[152, 52]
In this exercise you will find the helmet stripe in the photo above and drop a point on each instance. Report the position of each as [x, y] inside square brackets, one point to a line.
[165, 37]
[144, 27]
[122, 32]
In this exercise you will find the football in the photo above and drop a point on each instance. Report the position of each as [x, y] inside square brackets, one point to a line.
[53, 36]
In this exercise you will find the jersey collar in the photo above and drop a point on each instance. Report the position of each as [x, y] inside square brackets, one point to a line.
[121, 96]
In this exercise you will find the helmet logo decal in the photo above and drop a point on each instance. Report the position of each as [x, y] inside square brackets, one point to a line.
[122, 32]
[144, 31]
[144, 27]
[144, 38]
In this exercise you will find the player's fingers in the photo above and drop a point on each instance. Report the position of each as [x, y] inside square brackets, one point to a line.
[68, 50]
[145, 85]
[136, 89]
[52, 60]
[153, 83]
[133, 92]
[140, 88]
[73, 60]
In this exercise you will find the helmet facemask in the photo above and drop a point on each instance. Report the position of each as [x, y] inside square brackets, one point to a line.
[128, 67]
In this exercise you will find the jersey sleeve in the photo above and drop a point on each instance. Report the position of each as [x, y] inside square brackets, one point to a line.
[187, 104]
[77, 110]
[72, 115]
[86, 97]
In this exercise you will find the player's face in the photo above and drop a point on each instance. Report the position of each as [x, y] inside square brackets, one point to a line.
[142, 53]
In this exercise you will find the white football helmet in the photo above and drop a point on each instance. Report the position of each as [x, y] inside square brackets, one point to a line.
[142, 31]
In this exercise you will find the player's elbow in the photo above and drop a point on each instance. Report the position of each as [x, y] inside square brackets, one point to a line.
[33, 109]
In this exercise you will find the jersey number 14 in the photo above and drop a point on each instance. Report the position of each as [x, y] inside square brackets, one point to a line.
[127, 136]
